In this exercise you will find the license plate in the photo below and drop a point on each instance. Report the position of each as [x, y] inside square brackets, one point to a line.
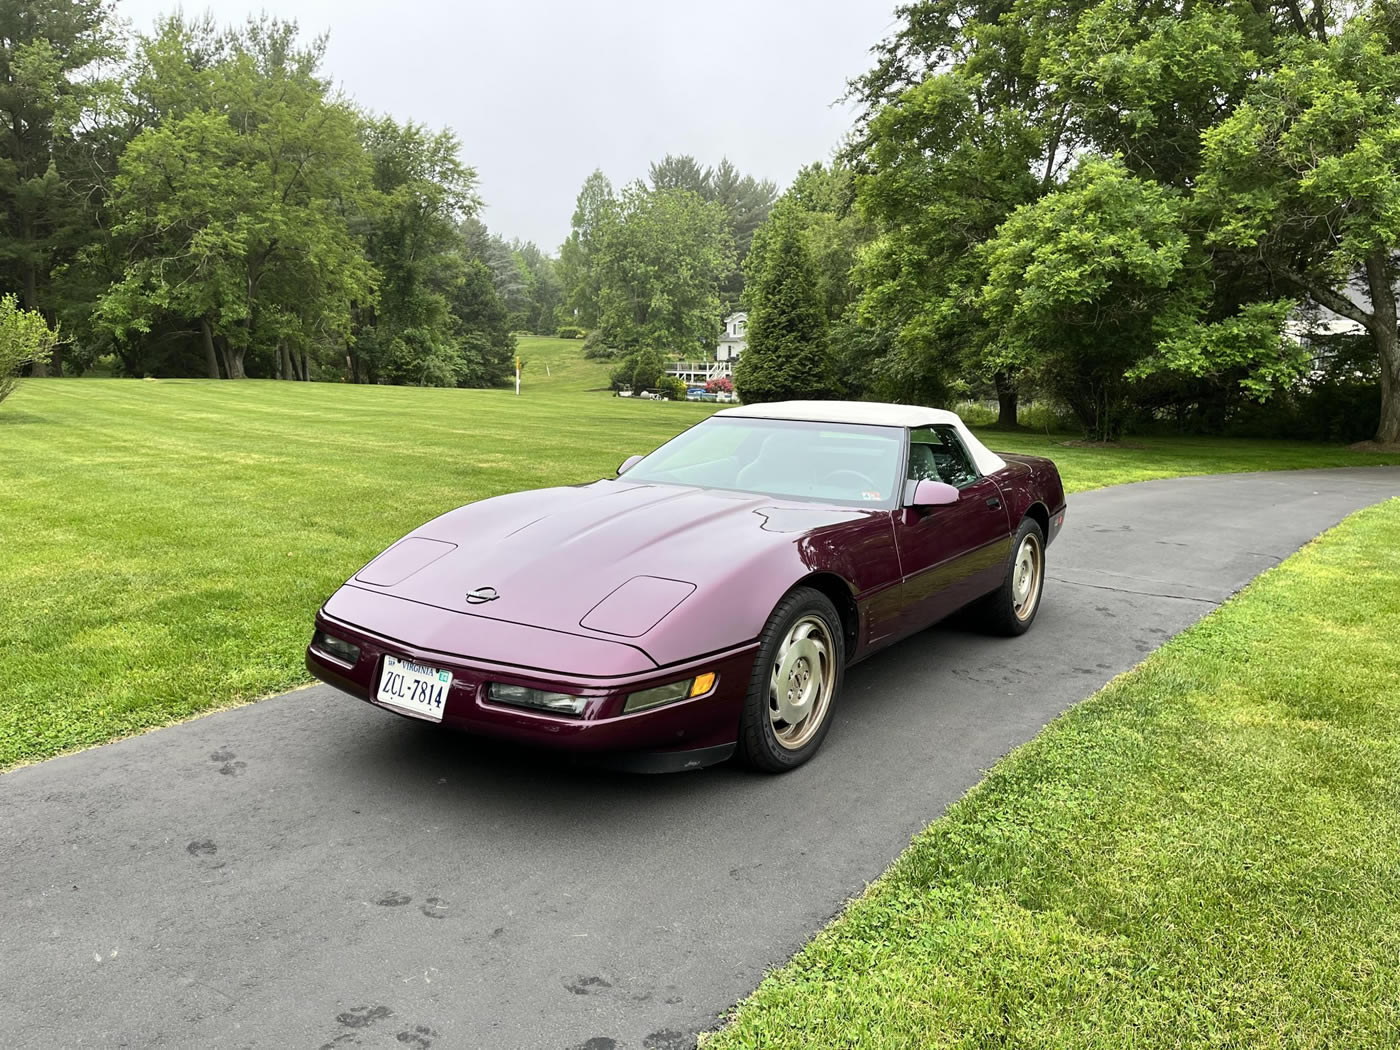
[414, 689]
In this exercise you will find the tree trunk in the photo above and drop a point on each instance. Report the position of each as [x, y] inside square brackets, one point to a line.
[1387, 343]
[305, 365]
[211, 360]
[284, 363]
[1007, 398]
[235, 364]
[223, 353]
[1388, 433]
[30, 292]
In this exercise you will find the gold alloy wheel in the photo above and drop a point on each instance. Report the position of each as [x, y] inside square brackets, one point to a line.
[1025, 577]
[804, 675]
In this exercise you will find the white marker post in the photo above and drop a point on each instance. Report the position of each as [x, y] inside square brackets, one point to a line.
[517, 377]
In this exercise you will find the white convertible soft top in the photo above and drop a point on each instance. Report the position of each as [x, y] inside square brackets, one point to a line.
[873, 413]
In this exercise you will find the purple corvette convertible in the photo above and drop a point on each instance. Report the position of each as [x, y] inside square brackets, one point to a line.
[708, 600]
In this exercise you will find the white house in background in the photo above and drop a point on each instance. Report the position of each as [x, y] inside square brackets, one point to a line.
[735, 337]
[731, 345]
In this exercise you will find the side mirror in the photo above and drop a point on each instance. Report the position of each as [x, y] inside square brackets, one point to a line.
[632, 461]
[934, 494]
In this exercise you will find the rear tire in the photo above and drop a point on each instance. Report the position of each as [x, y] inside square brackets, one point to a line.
[796, 679]
[1010, 609]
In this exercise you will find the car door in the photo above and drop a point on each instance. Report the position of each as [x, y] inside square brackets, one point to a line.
[949, 554]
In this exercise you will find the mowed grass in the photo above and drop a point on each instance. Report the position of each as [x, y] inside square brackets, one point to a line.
[164, 544]
[1202, 855]
[559, 364]
[1146, 458]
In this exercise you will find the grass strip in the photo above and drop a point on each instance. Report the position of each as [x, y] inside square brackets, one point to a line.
[1204, 854]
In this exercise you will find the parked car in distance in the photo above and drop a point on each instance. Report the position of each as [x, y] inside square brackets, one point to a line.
[709, 600]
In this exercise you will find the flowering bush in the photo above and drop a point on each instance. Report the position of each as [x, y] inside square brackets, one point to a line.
[722, 385]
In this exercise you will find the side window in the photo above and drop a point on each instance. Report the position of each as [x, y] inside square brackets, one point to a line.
[937, 454]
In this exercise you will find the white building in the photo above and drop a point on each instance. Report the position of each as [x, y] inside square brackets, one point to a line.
[735, 337]
[731, 344]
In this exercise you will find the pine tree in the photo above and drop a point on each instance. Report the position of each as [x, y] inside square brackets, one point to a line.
[787, 354]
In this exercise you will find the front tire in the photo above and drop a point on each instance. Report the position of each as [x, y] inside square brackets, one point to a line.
[796, 679]
[1010, 609]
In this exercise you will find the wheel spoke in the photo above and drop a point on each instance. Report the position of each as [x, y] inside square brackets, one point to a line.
[800, 683]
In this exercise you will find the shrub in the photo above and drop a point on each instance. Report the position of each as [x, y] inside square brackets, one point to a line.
[596, 348]
[720, 385]
[569, 331]
[642, 370]
[673, 388]
[24, 337]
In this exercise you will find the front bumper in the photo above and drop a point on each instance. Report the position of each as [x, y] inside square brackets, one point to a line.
[706, 724]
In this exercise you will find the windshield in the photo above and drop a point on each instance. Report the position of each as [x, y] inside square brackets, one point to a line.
[827, 462]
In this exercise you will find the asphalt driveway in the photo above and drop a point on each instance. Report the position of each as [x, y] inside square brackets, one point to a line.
[311, 872]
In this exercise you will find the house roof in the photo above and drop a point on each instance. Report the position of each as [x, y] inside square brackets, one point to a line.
[872, 413]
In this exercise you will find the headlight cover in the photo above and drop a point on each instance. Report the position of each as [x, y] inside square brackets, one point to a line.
[336, 647]
[539, 699]
[666, 694]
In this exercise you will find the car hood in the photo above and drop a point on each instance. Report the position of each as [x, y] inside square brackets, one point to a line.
[610, 559]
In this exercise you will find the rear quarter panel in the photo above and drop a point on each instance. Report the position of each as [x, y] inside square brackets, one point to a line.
[1026, 481]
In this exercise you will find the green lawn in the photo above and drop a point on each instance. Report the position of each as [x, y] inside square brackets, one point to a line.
[1145, 458]
[163, 544]
[559, 364]
[1202, 855]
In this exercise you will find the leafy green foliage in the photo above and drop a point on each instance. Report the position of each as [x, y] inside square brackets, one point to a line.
[51, 56]
[25, 337]
[787, 355]
[589, 273]
[977, 109]
[577, 271]
[1076, 283]
[658, 261]
[1305, 176]
[232, 216]
[642, 369]
[437, 324]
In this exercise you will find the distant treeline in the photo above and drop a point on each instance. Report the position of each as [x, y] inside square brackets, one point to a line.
[1122, 209]
[200, 201]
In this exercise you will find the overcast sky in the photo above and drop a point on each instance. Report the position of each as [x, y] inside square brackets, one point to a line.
[541, 92]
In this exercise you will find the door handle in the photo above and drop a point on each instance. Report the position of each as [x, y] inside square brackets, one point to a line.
[993, 502]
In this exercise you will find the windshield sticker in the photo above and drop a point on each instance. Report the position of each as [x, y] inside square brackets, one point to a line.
[871, 495]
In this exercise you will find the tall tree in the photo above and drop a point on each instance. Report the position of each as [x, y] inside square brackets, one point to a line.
[236, 213]
[546, 291]
[682, 172]
[577, 270]
[976, 108]
[747, 202]
[423, 192]
[659, 259]
[1304, 177]
[488, 347]
[786, 355]
[48, 51]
